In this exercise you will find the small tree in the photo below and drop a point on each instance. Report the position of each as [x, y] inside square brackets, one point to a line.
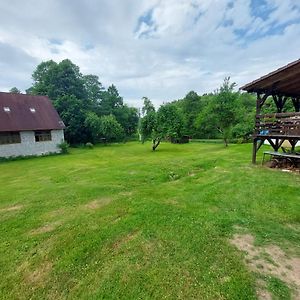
[220, 112]
[166, 123]
[148, 125]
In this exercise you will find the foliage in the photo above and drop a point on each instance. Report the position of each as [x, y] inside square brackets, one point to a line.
[93, 123]
[166, 123]
[64, 147]
[15, 90]
[73, 113]
[221, 110]
[110, 128]
[148, 125]
[148, 106]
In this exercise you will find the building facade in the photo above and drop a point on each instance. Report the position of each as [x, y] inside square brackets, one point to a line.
[29, 125]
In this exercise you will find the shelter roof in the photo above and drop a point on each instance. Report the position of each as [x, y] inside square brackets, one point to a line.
[284, 81]
[20, 112]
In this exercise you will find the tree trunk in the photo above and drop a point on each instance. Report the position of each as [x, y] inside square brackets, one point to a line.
[156, 142]
[226, 142]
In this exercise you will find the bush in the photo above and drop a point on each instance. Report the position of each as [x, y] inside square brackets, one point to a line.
[89, 145]
[64, 147]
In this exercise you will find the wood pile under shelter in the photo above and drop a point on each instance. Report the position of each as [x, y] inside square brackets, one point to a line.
[283, 86]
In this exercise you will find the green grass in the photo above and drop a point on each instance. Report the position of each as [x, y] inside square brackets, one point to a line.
[123, 222]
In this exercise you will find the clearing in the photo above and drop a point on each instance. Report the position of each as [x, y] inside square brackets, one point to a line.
[191, 221]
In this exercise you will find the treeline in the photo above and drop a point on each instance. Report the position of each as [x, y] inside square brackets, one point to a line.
[93, 113]
[90, 112]
[225, 114]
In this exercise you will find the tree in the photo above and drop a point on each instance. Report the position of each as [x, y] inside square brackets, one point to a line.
[147, 123]
[73, 113]
[110, 128]
[191, 106]
[128, 118]
[93, 123]
[221, 111]
[15, 90]
[57, 80]
[94, 89]
[167, 123]
[148, 106]
[111, 100]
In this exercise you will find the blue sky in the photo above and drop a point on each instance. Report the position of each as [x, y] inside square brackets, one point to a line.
[157, 48]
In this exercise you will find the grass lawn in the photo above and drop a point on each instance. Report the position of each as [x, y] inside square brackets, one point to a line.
[123, 222]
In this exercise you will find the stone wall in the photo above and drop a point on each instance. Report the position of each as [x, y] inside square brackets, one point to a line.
[29, 146]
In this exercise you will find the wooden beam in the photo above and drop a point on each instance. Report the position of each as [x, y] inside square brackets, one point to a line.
[271, 143]
[254, 151]
[280, 102]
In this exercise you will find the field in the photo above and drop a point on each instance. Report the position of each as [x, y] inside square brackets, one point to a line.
[193, 221]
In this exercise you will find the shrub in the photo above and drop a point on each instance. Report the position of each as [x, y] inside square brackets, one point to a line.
[64, 147]
[89, 145]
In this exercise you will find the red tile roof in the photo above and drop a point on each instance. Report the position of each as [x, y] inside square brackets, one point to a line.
[19, 112]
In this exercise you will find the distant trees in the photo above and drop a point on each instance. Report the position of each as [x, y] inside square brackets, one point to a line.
[92, 113]
[83, 103]
[225, 114]
[15, 90]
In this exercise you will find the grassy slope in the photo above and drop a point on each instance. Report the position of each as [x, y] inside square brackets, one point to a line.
[160, 228]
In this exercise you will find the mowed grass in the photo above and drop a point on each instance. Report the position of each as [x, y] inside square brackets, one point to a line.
[123, 222]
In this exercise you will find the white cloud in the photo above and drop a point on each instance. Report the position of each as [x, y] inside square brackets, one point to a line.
[156, 48]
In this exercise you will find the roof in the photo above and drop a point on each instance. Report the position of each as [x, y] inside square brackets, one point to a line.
[19, 112]
[284, 81]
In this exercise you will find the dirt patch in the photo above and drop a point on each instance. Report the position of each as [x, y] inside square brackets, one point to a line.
[261, 291]
[46, 228]
[56, 213]
[11, 208]
[172, 202]
[125, 239]
[269, 260]
[127, 194]
[38, 276]
[175, 203]
[295, 227]
[98, 203]
[263, 294]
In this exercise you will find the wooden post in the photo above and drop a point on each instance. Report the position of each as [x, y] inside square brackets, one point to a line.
[254, 150]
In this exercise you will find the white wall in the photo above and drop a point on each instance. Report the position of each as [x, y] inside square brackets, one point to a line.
[29, 146]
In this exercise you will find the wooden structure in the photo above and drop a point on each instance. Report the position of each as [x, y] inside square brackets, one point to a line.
[283, 86]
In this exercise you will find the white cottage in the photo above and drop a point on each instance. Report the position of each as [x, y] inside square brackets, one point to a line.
[29, 125]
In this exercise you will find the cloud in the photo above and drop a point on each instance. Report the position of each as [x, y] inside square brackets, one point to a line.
[156, 48]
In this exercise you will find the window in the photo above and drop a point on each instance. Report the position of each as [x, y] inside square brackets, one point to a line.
[42, 136]
[10, 138]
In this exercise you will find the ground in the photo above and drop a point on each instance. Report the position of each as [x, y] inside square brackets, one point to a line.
[191, 221]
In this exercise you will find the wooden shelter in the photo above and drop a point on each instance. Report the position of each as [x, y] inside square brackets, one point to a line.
[283, 86]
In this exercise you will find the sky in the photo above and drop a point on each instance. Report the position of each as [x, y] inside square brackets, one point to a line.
[161, 49]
